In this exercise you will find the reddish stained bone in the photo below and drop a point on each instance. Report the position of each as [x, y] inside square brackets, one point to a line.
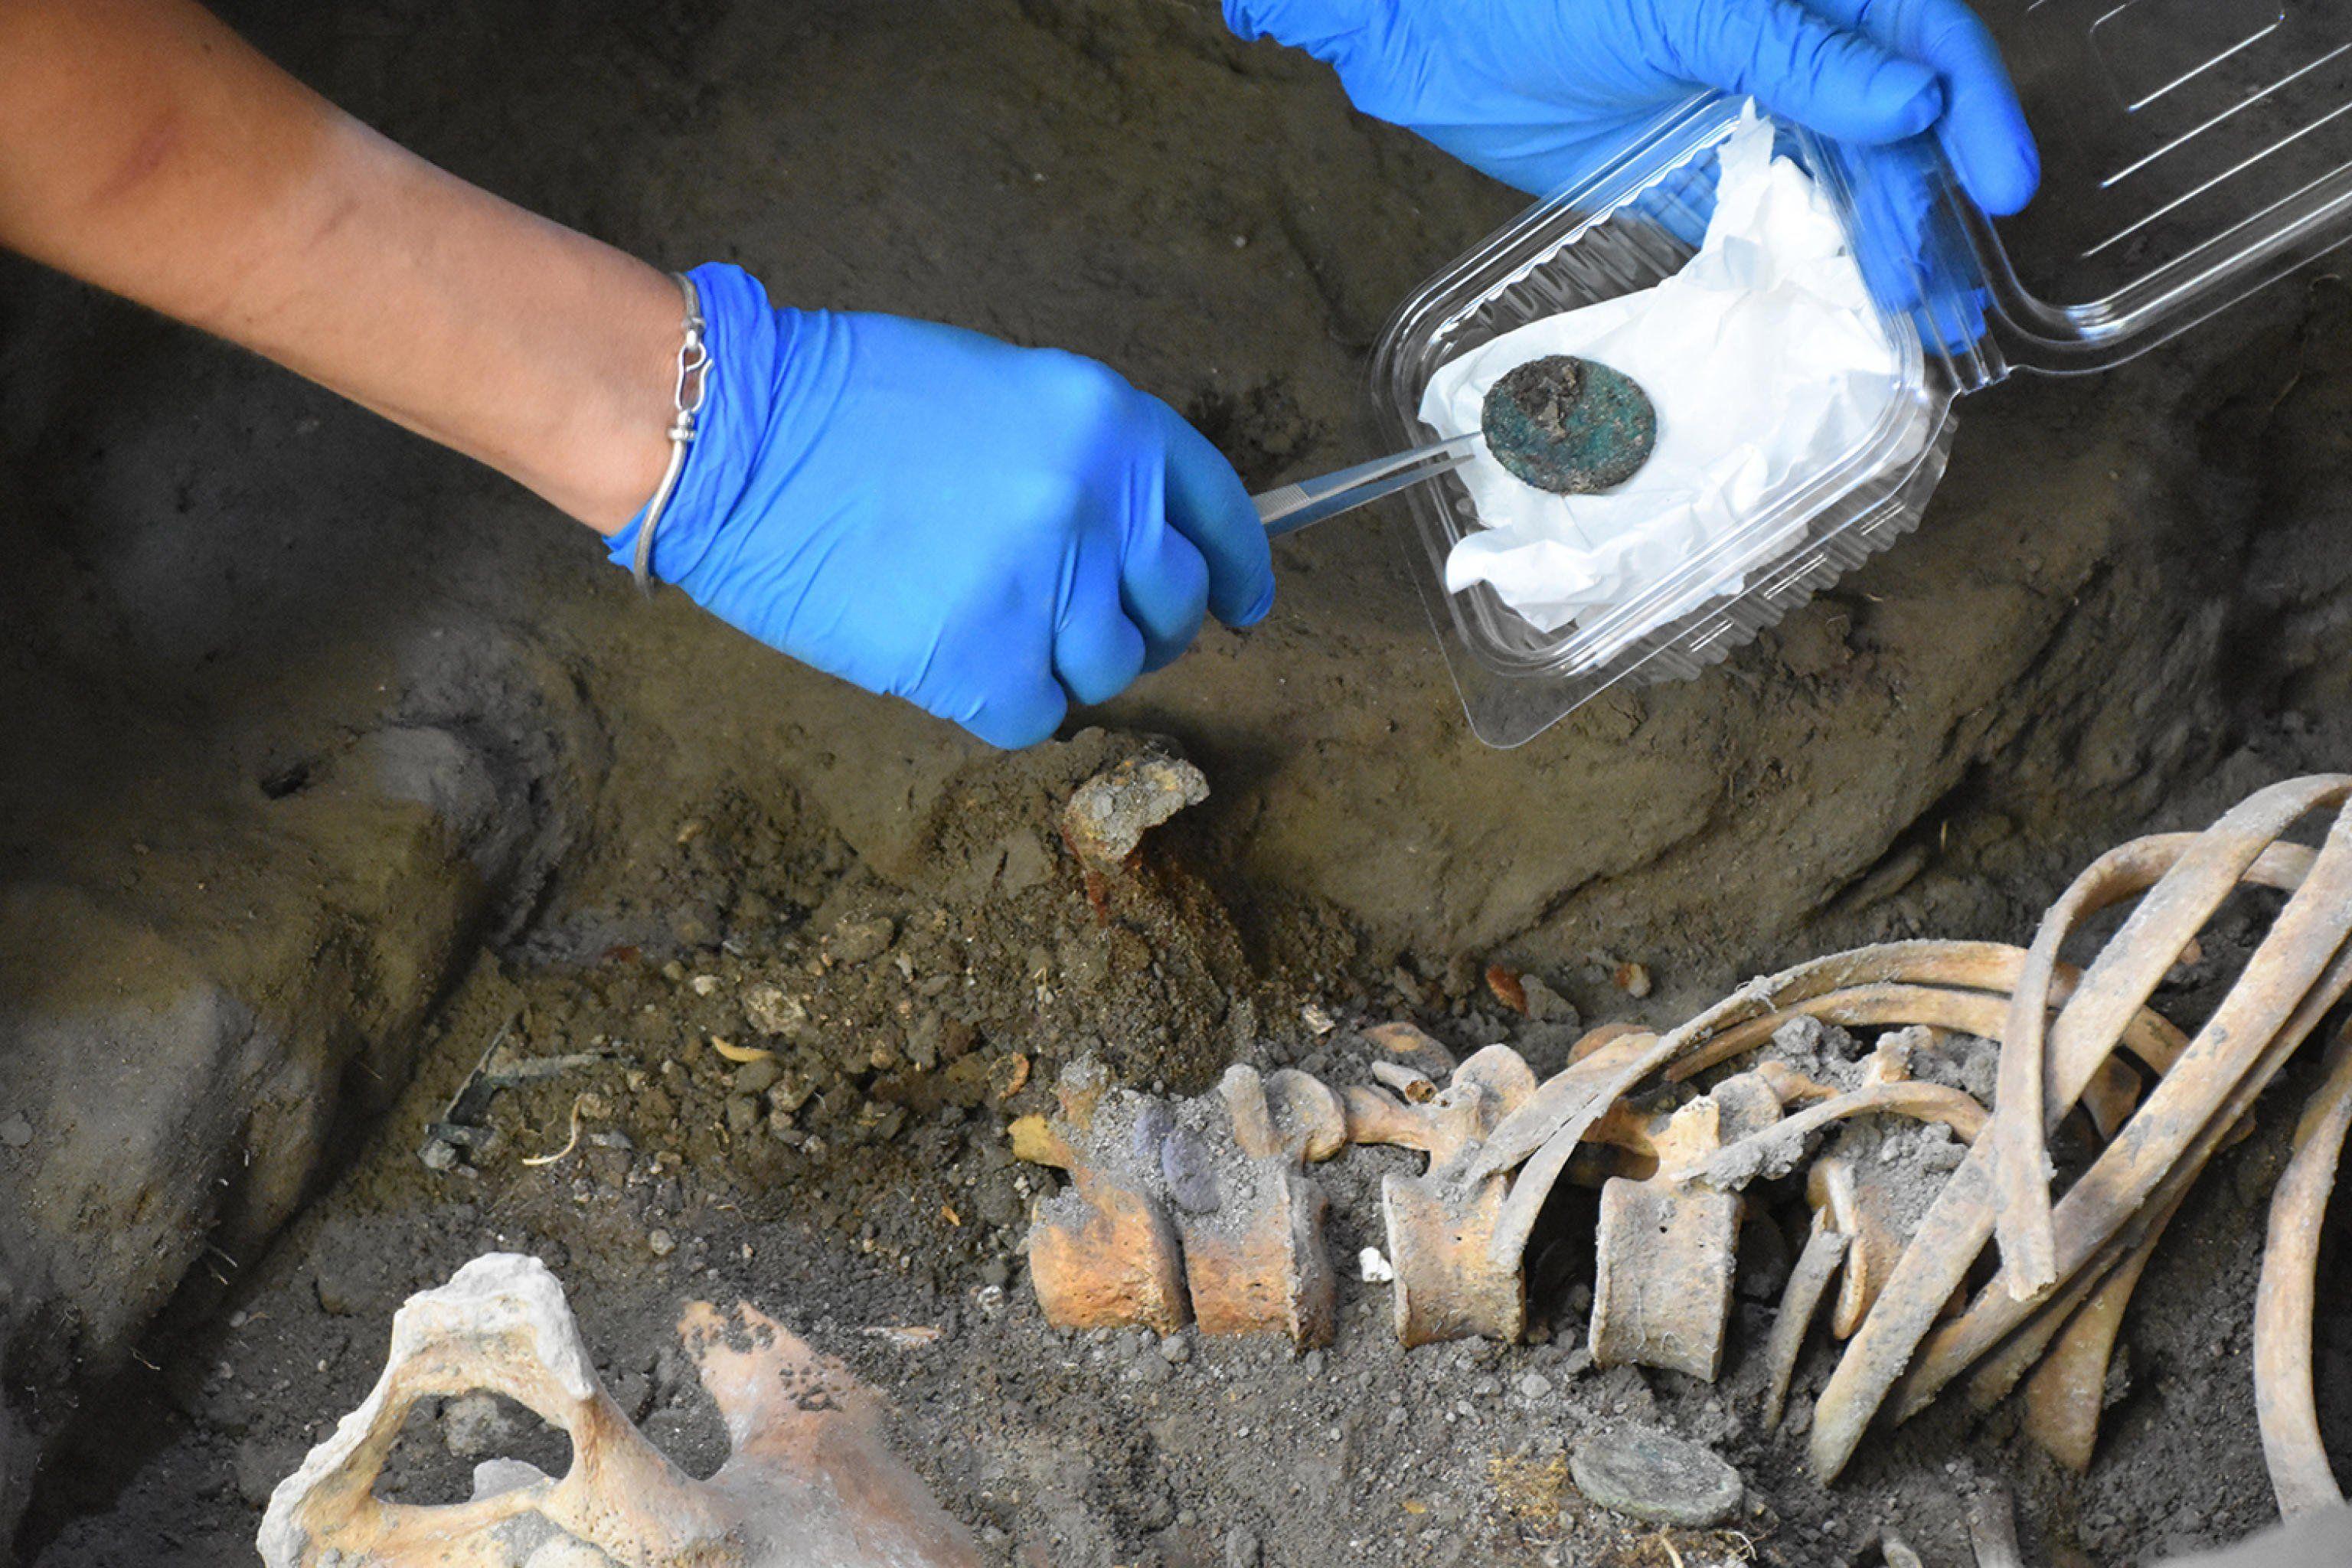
[1270, 1275]
[1107, 1256]
[2283, 1404]
[1962, 1219]
[1262, 1268]
[1106, 1253]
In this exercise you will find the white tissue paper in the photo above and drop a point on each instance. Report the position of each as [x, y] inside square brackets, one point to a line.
[1766, 363]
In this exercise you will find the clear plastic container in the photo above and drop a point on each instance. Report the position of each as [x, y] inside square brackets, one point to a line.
[2192, 151]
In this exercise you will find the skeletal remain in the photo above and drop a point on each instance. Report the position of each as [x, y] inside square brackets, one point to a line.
[1809, 1282]
[2287, 984]
[2049, 1315]
[2283, 1302]
[1736, 1163]
[1661, 1293]
[2162, 1149]
[809, 1483]
[1201, 1210]
[1103, 1254]
[1896, 983]
[1447, 1285]
[1254, 1261]
[1992, 1529]
[2184, 883]
[2066, 1394]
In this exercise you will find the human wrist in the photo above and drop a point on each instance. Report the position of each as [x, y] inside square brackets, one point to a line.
[744, 341]
[606, 452]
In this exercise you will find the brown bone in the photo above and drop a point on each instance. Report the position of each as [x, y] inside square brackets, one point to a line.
[1103, 1254]
[1256, 1263]
[1962, 1220]
[2300, 1475]
[1544, 1132]
[1661, 1294]
[2303, 960]
[1447, 1285]
[1817, 1265]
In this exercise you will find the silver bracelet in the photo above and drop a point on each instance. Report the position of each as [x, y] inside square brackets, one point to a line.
[693, 366]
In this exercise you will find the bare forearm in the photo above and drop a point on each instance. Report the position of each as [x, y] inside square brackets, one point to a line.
[145, 149]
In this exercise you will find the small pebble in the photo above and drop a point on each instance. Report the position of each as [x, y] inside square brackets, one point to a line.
[15, 1132]
[1175, 1349]
[1653, 1475]
[660, 1242]
[1534, 1386]
[856, 942]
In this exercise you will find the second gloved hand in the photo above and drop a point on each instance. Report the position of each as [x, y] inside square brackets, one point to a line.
[992, 532]
[1539, 92]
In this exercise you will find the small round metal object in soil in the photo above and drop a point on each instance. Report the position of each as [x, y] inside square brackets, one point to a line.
[1649, 1473]
[1569, 426]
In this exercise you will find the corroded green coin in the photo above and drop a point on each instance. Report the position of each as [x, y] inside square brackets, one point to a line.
[1569, 426]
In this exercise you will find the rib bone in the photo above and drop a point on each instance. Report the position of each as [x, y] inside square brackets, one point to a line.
[2283, 1302]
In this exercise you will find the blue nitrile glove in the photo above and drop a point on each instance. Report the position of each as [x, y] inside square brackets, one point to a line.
[1540, 93]
[992, 533]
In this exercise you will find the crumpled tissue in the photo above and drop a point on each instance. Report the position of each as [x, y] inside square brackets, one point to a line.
[1767, 365]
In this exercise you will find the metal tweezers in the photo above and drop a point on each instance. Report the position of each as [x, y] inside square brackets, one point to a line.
[1294, 506]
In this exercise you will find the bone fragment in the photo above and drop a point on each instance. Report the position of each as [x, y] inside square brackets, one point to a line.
[1962, 1219]
[810, 1482]
[1446, 1285]
[1735, 1164]
[1661, 1293]
[1817, 1265]
[2300, 1474]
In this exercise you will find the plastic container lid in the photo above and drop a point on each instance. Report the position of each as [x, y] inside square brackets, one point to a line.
[2192, 152]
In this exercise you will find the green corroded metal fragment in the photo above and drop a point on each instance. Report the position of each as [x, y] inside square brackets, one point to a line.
[1569, 426]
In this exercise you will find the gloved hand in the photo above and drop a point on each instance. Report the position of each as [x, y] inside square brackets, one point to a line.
[992, 533]
[1539, 92]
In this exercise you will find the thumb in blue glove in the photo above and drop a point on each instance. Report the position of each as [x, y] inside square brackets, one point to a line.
[994, 533]
[1540, 93]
